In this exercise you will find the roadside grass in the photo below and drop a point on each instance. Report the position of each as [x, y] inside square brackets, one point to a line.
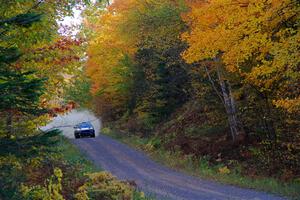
[202, 168]
[73, 156]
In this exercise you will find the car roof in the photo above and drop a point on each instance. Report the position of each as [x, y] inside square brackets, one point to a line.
[85, 124]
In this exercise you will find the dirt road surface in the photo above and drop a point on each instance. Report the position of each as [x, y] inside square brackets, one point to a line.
[154, 179]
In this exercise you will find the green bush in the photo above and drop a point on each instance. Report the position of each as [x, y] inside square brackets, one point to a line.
[103, 185]
[51, 191]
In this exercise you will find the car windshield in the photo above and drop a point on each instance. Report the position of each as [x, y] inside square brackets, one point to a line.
[85, 125]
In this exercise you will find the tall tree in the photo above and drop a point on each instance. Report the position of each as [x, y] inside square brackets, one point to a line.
[20, 91]
[145, 37]
[255, 41]
[51, 55]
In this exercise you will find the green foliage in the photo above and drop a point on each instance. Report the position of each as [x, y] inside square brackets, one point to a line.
[29, 146]
[20, 92]
[104, 186]
[21, 89]
[80, 92]
[165, 88]
[52, 191]
[15, 157]
[138, 80]
[25, 20]
[11, 175]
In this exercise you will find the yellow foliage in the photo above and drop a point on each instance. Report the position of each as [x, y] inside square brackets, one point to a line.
[117, 33]
[256, 39]
[82, 194]
[10, 161]
[51, 192]
[103, 185]
[224, 170]
[149, 147]
[106, 48]
[291, 105]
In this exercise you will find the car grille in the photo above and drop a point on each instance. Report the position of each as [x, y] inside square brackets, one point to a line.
[85, 132]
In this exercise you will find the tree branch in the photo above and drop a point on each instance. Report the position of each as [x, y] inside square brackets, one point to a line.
[213, 85]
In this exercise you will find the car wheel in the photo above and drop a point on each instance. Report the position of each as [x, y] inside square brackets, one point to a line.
[93, 135]
[77, 136]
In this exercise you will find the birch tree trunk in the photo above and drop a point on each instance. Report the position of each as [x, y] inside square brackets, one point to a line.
[9, 121]
[229, 105]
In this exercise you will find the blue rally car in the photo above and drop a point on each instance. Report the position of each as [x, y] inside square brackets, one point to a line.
[84, 129]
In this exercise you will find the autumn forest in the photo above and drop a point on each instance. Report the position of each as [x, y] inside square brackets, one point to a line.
[214, 82]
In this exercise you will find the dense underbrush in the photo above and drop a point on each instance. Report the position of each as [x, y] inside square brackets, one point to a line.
[194, 132]
[204, 144]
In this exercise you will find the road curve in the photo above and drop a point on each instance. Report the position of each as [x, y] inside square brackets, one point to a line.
[162, 182]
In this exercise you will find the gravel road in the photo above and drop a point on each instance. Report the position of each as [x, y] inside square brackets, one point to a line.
[164, 183]
[154, 179]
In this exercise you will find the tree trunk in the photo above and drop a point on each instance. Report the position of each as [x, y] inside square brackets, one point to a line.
[269, 123]
[229, 104]
[9, 121]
